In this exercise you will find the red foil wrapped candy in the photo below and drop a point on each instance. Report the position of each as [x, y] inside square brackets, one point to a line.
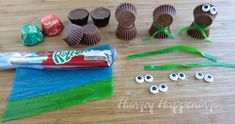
[51, 25]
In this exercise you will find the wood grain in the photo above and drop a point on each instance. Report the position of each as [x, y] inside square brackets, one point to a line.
[220, 95]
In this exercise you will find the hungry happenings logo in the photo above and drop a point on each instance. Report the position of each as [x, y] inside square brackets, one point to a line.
[167, 104]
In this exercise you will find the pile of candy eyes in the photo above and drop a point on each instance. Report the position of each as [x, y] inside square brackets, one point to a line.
[207, 78]
[154, 89]
[199, 76]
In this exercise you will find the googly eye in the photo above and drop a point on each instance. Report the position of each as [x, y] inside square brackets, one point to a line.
[139, 79]
[148, 78]
[206, 8]
[199, 76]
[213, 10]
[173, 77]
[163, 88]
[208, 78]
[181, 76]
[154, 89]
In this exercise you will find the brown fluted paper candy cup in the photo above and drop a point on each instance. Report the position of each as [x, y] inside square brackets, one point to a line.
[100, 16]
[164, 15]
[126, 33]
[126, 14]
[72, 34]
[204, 15]
[79, 16]
[91, 35]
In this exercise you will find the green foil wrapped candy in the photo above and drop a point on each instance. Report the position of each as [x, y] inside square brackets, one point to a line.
[31, 35]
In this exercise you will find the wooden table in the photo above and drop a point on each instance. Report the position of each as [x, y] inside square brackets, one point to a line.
[188, 101]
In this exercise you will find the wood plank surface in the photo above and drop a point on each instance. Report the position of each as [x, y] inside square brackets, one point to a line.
[187, 102]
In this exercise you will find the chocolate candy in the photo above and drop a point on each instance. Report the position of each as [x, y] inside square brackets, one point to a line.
[31, 35]
[100, 16]
[79, 16]
[51, 25]
[72, 34]
[126, 33]
[126, 14]
[91, 35]
[163, 17]
[204, 16]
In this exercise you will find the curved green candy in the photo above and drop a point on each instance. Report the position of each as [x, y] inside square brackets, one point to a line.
[174, 49]
[192, 65]
[31, 35]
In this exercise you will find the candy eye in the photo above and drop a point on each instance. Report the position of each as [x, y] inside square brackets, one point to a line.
[139, 79]
[213, 10]
[148, 78]
[181, 76]
[206, 8]
[154, 89]
[199, 76]
[163, 88]
[208, 78]
[173, 77]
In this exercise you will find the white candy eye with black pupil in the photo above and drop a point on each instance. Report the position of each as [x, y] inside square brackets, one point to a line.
[213, 10]
[163, 88]
[206, 8]
[154, 89]
[139, 79]
[181, 76]
[199, 76]
[173, 77]
[208, 78]
[148, 78]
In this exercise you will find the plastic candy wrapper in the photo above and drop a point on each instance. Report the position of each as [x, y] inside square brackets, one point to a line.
[58, 59]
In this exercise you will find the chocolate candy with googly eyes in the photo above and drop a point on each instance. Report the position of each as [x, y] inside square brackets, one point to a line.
[204, 16]
[154, 89]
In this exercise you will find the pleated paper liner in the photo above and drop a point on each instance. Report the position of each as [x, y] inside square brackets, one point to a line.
[126, 14]
[72, 34]
[91, 35]
[126, 33]
[160, 35]
[197, 34]
[164, 15]
[101, 16]
[31, 35]
[203, 18]
[51, 25]
[79, 16]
